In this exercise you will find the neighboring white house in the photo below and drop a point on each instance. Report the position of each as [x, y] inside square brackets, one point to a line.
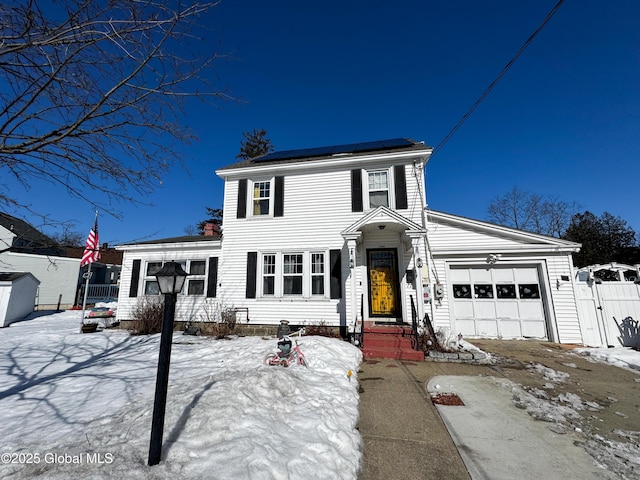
[340, 236]
[25, 249]
[17, 296]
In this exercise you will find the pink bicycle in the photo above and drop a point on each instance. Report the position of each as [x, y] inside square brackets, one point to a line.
[286, 354]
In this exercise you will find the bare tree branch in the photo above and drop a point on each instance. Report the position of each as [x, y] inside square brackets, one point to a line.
[92, 92]
[527, 211]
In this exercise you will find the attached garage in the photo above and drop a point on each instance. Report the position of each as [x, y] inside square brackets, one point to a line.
[503, 302]
[499, 282]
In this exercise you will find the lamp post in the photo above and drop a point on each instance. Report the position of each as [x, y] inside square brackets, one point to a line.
[171, 278]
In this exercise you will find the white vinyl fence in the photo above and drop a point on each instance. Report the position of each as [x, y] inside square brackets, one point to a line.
[609, 310]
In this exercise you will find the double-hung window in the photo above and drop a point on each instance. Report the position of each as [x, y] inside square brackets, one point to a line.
[195, 280]
[292, 274]
[261, 198]
[378, 188]
[285, 274]
[150, 282]
[268, 274]
[317, 273]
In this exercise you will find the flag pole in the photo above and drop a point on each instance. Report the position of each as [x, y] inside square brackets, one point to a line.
[88, 274]
[86, 291]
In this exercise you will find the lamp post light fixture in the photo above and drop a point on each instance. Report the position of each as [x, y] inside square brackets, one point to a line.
[171, 278]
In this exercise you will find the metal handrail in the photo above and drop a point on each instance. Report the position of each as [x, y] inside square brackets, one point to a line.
[414, 324]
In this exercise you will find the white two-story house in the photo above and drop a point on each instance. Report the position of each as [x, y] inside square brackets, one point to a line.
[330, 235]
[340, 236]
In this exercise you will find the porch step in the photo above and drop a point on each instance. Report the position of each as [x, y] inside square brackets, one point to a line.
[389, 342]
[396, 353]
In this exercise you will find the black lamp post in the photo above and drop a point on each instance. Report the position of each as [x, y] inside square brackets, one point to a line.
[171, 278]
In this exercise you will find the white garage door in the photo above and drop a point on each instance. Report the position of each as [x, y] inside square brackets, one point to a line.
[497, 302]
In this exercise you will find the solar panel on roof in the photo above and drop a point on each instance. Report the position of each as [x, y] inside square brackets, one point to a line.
[337, 149]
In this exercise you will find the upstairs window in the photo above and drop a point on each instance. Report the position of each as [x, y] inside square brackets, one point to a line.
[261, 198]
[378, 189]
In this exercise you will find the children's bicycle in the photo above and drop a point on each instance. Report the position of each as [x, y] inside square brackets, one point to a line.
[286, 353]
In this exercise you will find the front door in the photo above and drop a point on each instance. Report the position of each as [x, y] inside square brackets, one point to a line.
[383, 283]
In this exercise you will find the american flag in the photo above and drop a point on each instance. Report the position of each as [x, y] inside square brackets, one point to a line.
[91, 250]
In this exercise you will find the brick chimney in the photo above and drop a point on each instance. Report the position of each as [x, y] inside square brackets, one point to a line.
[211, 229]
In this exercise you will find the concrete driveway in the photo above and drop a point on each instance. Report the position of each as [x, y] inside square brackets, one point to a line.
[538, 411]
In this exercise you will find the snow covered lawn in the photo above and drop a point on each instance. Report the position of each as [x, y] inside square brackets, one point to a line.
[79, 406]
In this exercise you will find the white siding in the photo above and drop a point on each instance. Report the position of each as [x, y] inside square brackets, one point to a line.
[564, 299]
[470, 247]
[317, 208]
[58, 276]
[187, 306]
[17, 299]
[6, 238]
[449, 237]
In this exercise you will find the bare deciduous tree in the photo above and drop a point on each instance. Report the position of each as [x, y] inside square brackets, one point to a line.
[92, 92]
[527, 211]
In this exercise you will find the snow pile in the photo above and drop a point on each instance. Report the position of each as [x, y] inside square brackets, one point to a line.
[540, 406]
[83, 404]
[620, 357]
[548, 373]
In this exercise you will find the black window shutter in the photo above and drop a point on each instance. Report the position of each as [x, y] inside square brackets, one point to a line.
[212, 280]
[242, 199]
[278, 204]
[399, 174]
[335, 285]
[356, 190]
[135, 278]
[252, 265]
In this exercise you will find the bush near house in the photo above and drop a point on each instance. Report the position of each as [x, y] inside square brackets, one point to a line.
[147, 316]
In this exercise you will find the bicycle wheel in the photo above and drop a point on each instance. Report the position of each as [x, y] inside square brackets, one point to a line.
[271, 359]
[302, 361]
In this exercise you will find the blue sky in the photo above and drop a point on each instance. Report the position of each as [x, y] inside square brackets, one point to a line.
[564, 121]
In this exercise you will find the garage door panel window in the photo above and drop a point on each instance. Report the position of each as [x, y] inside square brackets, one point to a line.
[530, 290]
[506, 291]
[483, 290]
[462, 291]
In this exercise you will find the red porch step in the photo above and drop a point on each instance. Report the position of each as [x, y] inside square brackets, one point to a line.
[389, 342]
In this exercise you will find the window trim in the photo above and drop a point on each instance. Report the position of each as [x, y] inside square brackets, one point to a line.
[387, 190]
[147, 278]
[306, 275]
[263, 275]
[196, 277]
[270, 198]
[322, 274]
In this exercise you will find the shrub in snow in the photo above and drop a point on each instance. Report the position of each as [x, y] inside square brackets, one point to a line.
[147, 316]
[216, 319]
[321, 329]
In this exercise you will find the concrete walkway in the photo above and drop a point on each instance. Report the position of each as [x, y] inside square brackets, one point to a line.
[404, 436]
[499, 441]
[407, 437]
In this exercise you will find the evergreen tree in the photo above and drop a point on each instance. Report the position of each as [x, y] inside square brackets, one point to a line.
[604, 239]
[254, 145]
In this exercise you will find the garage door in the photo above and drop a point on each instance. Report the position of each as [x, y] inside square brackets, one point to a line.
[497, 302]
